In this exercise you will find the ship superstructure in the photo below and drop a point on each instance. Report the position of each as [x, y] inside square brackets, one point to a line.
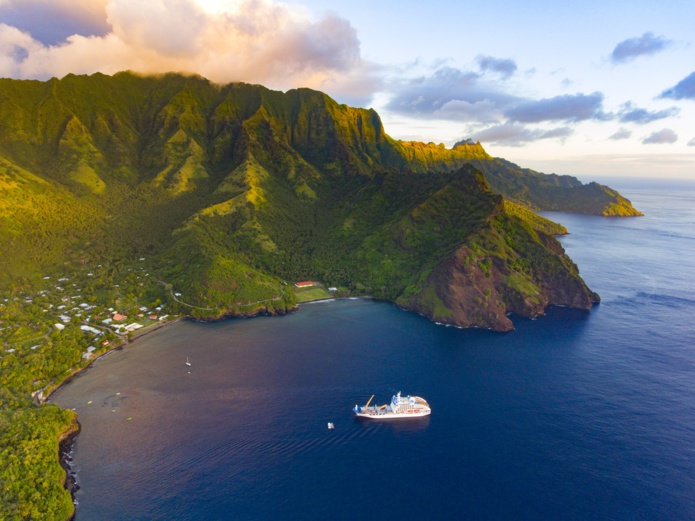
[400, 407]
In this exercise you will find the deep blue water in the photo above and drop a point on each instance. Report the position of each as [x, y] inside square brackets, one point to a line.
[573, 416]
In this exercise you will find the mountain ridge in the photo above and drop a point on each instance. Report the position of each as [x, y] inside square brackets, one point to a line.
[175, 196]
[272, 185]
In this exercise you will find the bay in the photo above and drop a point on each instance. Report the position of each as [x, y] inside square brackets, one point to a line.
[574, 415]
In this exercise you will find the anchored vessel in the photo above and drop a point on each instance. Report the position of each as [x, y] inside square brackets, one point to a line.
[400, 407]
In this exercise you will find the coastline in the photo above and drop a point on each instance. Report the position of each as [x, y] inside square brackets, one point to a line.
[50, 390]
[67, 438]
[65, 445]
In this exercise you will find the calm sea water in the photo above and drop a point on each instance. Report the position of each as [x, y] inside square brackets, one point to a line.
[573, 416]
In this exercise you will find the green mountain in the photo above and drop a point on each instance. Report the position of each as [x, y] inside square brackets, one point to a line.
[237, 190]
[128, 193]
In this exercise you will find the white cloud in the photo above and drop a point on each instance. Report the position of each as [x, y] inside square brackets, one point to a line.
[168, 27]
[665, 135]
[622, 133]
[259, 41]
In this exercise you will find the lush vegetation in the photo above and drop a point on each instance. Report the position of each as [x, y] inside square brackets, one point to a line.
[552, 192]
[152, 198]
[31, 480]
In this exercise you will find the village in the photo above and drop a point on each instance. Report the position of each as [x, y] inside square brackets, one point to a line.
[92, 310]
[86, 312]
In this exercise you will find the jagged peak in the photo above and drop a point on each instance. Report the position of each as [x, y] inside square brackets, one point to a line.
[466, 142]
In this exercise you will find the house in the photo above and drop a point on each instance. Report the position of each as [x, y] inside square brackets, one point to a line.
[91, 330]
[117, 317]
[152, 317]
[133, 326]
[59, 327]
[304, 284]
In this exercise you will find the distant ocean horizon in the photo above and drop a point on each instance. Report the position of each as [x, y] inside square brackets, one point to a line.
[574, 415]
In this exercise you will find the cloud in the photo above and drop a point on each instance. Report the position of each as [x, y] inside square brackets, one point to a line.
[463, 110]
[450, 93]
[631, 114]
[691, 143]
[52, 21]
[511, 134]
[179, 28]
[621, 134]
[647, 44]
[662, 136]
[684, 89]
[463, 95]
[569, 107]
[259, 41]
[504, 67]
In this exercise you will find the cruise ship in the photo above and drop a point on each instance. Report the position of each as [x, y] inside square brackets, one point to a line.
[400, 407]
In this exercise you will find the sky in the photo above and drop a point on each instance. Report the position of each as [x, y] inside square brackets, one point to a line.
[594, 89]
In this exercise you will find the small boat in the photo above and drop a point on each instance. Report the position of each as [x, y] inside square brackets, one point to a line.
[400, 407]
[331, 426]
[187, 362]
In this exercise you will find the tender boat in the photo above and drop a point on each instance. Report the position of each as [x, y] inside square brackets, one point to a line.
[400, 407]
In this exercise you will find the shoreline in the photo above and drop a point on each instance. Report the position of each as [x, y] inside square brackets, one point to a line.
[65, 446]
[44, 399]
[67, 439]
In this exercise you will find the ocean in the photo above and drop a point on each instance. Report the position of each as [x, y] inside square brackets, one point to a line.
[572, 416]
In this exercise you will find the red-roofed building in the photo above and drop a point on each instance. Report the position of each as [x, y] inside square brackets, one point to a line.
[305, 284]
[117, 317]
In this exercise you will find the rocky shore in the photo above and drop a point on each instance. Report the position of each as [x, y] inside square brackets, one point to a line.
[65, 445]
